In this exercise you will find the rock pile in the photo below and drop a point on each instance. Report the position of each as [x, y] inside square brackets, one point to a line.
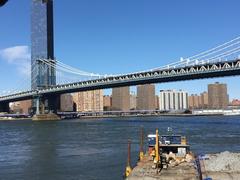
[173, 160]
[223, 162]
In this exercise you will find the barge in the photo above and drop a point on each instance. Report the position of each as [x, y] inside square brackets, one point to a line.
[168, 158]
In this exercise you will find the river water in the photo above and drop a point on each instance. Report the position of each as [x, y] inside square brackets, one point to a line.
[97, 148]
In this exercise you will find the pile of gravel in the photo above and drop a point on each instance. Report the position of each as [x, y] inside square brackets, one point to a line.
[223, 162]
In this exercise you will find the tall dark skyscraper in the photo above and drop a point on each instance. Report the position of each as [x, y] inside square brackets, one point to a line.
[42, 44]
[43, 48]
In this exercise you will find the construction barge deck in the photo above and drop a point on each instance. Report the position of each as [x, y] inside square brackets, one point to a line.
[144, 170]
[169, 158]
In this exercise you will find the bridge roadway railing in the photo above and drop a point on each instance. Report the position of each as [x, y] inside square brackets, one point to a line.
[201, 71]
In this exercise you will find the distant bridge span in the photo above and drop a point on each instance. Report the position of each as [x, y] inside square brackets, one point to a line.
[201, 71]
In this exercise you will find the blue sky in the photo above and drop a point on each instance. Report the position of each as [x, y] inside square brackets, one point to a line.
[117, 36]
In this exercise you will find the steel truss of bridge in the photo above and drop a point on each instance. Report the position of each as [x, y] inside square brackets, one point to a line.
[200, 71]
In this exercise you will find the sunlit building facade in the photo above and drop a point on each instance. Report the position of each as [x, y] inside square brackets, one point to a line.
[89, 101]
[146, 97]
[172, 100]
[121, 99]
[218, 96]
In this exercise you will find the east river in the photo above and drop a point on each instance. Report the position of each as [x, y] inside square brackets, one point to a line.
[97, 148]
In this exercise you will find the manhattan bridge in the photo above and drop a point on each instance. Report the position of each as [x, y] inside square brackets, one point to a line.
[51, 77]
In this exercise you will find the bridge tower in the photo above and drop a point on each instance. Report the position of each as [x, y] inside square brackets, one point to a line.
[42, 47]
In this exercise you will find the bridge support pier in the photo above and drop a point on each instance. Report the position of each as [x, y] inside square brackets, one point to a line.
[37, 105]
[4, 107]
[46, 108]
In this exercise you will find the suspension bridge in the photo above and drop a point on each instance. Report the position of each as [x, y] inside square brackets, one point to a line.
[220, 61]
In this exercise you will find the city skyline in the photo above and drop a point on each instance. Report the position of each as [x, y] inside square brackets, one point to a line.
[114, 39]
[146, 98]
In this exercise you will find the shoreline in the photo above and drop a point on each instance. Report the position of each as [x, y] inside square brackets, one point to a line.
[117, 116]
[120, 116]
[146, 115]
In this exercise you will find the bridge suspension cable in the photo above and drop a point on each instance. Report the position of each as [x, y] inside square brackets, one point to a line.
[68, 74]
[220, 51]
[225, 54]
[66, 68]
[205, 56]
[217, 48]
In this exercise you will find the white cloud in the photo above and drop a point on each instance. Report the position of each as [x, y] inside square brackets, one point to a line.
[19, 56]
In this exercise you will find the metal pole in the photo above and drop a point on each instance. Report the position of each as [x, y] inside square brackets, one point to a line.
[141, 154]
[157, 158]
[128, 168]
[129, 153]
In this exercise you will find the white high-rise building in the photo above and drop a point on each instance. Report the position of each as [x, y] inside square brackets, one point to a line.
[170, 100]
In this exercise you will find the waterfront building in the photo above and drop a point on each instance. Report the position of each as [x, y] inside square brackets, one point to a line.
[198, 101]
[172, 100]
[66, 102]
[133, 101]
[235, 102]
[121, 99]
[22, 107]
[157, 102]
[204, 100]
[190, 101]
[194, 101]
[89, 100]
[217, 96]
[107, 102]
[146, 97]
